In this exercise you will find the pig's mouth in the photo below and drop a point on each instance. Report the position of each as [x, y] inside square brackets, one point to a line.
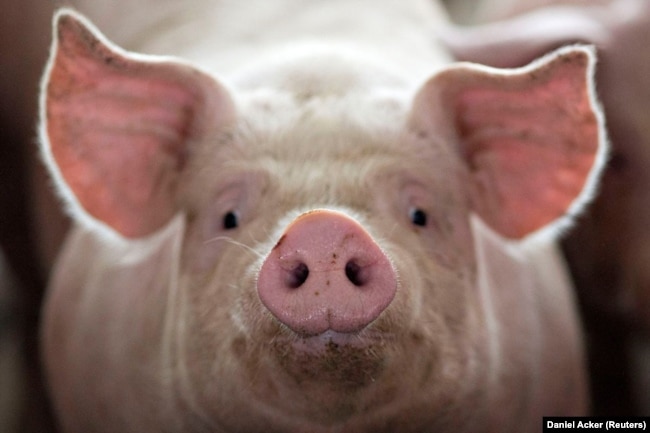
[347, 360]
[318, 345]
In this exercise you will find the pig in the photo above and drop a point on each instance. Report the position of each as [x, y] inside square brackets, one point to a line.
[609, 250]
[314, 226]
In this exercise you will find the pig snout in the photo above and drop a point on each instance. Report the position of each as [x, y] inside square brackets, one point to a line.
[326, 273]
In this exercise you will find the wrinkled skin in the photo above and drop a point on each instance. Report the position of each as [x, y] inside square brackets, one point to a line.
[608, 252]
[182, 186]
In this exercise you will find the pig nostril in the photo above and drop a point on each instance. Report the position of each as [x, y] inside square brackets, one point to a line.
[297, 276]
[354, 272]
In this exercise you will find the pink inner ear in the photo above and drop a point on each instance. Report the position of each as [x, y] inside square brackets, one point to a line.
[119, 128]
[530, 139]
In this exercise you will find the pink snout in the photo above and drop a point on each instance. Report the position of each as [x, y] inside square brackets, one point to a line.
[326, 273]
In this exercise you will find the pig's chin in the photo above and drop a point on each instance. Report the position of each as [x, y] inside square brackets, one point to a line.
[348, 360]
[342, 379]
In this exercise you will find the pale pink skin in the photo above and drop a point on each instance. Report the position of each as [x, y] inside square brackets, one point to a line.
[160, 319]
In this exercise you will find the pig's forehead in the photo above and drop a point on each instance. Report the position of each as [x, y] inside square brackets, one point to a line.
[331, 142]
[320, 149]
[288, 123]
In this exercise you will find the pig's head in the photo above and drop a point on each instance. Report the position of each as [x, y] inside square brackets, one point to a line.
[324, 273]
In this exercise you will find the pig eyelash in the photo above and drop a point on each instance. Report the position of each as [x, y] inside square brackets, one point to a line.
[418, 217]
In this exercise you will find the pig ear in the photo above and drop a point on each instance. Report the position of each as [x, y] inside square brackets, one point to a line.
[532, 138]
[116, 128]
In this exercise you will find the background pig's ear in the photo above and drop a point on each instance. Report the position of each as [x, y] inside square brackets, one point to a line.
[116, 128]
[532, 138]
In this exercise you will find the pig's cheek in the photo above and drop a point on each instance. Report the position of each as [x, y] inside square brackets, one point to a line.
[437, 274]
[211, 336]
[220, 285]
[430, 294]
[204, 251]
[450, 242]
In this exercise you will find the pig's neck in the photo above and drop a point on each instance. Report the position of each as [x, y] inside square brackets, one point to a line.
[223, 36]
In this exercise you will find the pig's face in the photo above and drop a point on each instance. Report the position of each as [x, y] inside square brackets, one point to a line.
[326, 274]
[420, 219]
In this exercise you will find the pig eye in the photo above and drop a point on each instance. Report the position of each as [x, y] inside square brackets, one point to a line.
[230, 220]
[418, 217]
